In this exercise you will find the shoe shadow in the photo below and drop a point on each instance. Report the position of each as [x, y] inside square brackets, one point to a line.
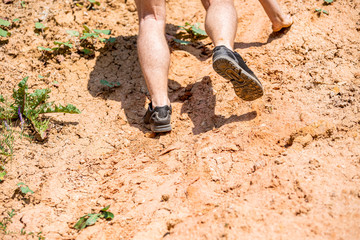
[199, 104]
[118, 65]
[273, 36]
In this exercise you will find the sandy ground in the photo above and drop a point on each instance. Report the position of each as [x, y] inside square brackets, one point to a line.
[286, 166]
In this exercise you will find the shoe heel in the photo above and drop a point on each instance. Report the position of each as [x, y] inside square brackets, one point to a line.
[163, 128]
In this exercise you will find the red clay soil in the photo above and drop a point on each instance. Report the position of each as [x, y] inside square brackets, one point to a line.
[286, 166]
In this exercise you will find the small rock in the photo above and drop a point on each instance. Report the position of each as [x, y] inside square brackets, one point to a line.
[303, 140]
[165, 198]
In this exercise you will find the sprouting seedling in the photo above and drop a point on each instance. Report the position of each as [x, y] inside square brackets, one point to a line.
[88, 37]
[319, 11]
[109, 84]
[23, 4]
[91, 218]
[193, 32]
[39, 27]
[24, 188]
[5, 221]
[2, 173]
[64, 46]
[3, 32]
[328, 1]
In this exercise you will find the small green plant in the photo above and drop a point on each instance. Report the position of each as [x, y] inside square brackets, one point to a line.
[89, 37]
[62, 48]
[4, 223]
[28, 107]
[24, 188]
[3, 32]
[109, 84]
[2, 173]
[40, 28]
[319, 11]
[191, 33]
[328, 1]
[91, 218]
[23, 4]
[6, 137]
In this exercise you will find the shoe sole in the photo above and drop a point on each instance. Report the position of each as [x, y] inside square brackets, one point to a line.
[245, 86]
[161, 129]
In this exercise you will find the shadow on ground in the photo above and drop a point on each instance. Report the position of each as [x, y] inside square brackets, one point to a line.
[118, 64]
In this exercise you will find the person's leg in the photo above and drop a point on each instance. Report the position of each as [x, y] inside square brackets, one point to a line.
[221, 22]
[221, 26]
[277, 17]
[153, 51]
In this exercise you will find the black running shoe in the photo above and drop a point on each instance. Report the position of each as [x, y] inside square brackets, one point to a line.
[158, 118]
[231, 66]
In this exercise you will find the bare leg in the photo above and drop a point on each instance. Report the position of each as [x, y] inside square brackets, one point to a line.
[221, 22]
[153, 51]
[277, 17]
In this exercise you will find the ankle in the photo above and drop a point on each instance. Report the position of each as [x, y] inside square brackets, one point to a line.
[159, 102]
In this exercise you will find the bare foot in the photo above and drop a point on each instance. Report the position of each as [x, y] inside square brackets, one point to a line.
[282, 22]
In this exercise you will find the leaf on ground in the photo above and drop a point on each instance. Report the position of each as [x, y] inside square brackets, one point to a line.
[106, 32]
[197, 30]
[93, 217]
[16, 20]
[87, 35]
[24, 188]
[94, 2]
[81, 224]
[45, 49]
[2, 175]
[86, 29]
[109, 84]
[39, 25]
[86, 51]
[182, 42]
[67, 44]
[4, 23]
[111, 40]
[4, 33]
[73, 33]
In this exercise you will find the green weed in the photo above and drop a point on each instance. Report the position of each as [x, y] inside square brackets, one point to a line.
[4, 223]
[5, 26]
[319, 11]
[28, 107]
[24, 188]
[191, 33]
[2, 173]
[91, 218]
[89, 37]
[109, 84]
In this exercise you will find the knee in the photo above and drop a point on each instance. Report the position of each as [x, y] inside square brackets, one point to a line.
[208, 3]
[151, 10]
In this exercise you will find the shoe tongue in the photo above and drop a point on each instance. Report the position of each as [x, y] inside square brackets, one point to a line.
[162, 111]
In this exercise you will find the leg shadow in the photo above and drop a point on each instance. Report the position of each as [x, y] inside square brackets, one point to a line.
[199, 103]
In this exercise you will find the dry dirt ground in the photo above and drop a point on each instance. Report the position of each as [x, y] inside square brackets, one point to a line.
[286, 166]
